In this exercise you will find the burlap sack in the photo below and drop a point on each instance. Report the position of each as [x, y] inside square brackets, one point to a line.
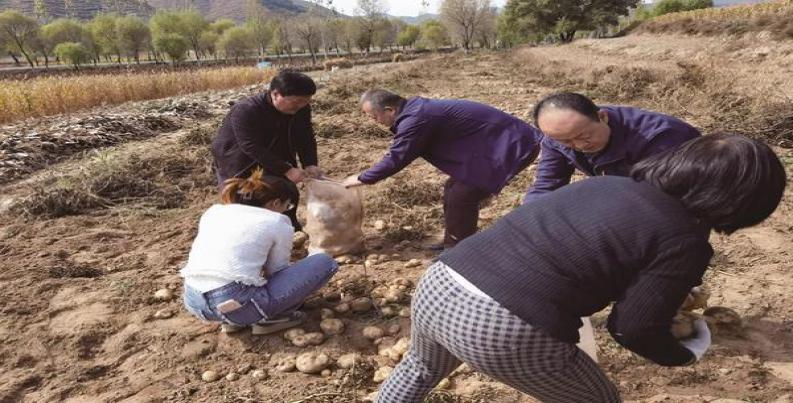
[334, 217]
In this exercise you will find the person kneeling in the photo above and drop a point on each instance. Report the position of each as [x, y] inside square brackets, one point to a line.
[238, 271]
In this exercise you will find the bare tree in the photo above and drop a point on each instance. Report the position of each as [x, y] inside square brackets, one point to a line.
[371, 13]
[308, 30]
[463, 18]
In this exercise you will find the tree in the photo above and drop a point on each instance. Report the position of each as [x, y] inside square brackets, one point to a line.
[60, 31]
[384, 34]
[307, 29]
[260, 28]
[370, 13]
[236, 42]
[282, 38]
[73, 53]
[220, 26]
[19, 33]
[191, 25]
[487, 31]
[105, 35]
[334, 33]
[208, 43]
[133, 36]
[434, 34]
[173, 45]
[673, 6]
[464, 17]
[564, 18]
[349, 36]
[408, 36]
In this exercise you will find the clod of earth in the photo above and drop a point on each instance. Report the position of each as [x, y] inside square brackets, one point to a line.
[382, 374]
[312, 362]
[331, 295]
[412, 263]
[163, 294]
[372, 332]
[210, 376]
[723, 318]
[361, 305]
[332, 326]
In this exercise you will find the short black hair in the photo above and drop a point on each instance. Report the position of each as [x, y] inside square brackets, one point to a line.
[292, 83]
[380, 99]
[728, 181]
[567, 100]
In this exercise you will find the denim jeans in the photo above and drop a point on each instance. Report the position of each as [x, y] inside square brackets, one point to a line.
[283, 293]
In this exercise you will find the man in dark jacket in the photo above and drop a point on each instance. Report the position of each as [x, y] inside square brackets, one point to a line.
[270, 130]
[606, 140]
[481, 148]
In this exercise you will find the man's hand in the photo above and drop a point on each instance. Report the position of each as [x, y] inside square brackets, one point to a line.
[352, 181]
[313, 171]
[295, 175]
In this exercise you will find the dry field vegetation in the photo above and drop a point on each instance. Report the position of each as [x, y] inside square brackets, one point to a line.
[88, 237]
[775, 18]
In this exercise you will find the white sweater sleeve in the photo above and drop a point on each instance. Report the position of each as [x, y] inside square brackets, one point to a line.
[281, 252]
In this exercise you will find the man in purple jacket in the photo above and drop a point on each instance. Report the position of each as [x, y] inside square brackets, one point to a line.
[596, 140]
[481, 148]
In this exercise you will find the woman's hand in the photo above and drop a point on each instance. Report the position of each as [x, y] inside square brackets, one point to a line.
[698, 345]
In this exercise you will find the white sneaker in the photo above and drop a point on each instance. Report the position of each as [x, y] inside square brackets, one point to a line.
[277, 324]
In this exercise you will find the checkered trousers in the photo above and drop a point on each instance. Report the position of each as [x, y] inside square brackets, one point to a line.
[451, 325]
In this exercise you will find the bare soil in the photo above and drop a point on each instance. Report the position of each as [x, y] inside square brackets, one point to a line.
[77, 298]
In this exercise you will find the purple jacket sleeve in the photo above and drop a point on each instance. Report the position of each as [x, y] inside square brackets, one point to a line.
[668, 139]
[411, 139]
[553, 172]
[249, 137]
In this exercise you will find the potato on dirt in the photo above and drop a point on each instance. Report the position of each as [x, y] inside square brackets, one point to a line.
[347, 361]
[326, 313]
[361, 305]
[394, 295]
[163, 294]
[378, 292]
[294, 332]
[372, 332]
[382, 374]
[343, 307]
[210, 376]
[413, 263]
[312, 362]
[332, 327]
[285, 364]
[308, 339]
[232, 376]
[261, 374]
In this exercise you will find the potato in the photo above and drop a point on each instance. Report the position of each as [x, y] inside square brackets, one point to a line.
[294, 332]
[403, 282]
[312, 363]
[342, 308]
[393, 329]
[378, 292]
[163, 295]
[326, 313]
[404, 312]
[722, 317]
[347, 361]
[372, 332]
[332, 326]
[379, 225]
[412, 263]
[683, 325]
[382, 374]
[163, 314]
[232, 376]
[696, 299]
[285, 364]
[361, 305]
[394, 295]
[331, 295]
[210, 376]
[261, 374]
[389, 311]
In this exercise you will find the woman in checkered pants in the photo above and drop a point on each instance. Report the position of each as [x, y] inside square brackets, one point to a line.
[507, 301]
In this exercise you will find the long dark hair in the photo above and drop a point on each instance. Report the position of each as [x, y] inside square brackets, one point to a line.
[727, 180]
[258, 189]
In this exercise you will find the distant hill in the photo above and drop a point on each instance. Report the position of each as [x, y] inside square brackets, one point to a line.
[236, 9]
[724, 3]
[81, 9]
[418, 20]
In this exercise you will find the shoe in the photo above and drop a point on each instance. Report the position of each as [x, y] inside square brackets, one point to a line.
[277, 324]
[229, 328]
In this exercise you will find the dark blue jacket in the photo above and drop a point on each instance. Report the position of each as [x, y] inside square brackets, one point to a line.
[473, 143]
[635, 135]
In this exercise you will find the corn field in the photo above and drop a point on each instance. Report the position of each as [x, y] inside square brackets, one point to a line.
[54, 95]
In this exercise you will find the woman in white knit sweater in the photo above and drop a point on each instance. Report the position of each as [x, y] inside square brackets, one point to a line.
[238, 272]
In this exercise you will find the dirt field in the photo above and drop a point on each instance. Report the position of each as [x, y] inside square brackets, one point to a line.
[99, 215]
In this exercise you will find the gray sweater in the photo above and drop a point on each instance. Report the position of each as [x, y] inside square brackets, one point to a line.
[574, 251]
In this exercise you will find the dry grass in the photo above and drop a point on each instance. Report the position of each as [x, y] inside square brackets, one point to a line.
[775, 17]
[161, 179]
[53, 95]
[412, 209]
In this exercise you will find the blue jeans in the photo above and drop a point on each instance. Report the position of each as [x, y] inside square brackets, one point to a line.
[283, 293]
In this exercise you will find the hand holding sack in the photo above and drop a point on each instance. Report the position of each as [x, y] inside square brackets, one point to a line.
[334, 218]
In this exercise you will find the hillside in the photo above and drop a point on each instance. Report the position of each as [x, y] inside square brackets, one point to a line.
[236, 9]
[81, 9]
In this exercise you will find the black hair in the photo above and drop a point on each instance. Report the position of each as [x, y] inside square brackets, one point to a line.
[728, 181]
[567, 100]
[292, 83]
[380, 99]
[258, 189]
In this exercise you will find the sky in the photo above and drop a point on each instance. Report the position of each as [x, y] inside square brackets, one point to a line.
[401, 7]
